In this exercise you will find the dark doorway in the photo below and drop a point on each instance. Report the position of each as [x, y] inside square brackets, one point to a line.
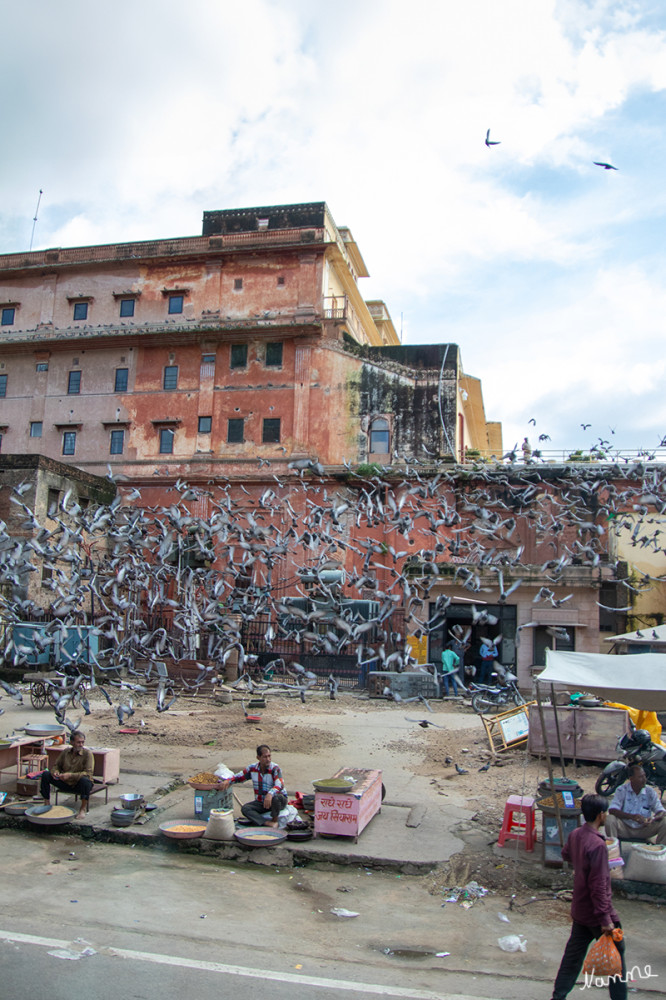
[463, 615]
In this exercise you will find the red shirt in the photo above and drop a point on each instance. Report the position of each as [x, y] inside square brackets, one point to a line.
[591, 904]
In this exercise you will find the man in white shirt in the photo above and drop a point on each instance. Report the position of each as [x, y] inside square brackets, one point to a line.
[636, 812]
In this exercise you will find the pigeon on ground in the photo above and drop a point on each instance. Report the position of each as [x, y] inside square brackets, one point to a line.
[461, 770]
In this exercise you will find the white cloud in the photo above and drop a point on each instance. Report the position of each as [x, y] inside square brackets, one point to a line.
[134, 118]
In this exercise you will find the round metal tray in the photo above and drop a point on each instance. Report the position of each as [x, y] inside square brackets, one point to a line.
[39, 730]
[17, 808]
[300, 834]
[197, 829]
[43, 819]
[260, 836]
[336, 785]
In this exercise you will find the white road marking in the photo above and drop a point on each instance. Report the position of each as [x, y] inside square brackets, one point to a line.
[374, 989]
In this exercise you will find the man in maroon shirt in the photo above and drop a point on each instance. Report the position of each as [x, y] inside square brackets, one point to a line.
[592, 910]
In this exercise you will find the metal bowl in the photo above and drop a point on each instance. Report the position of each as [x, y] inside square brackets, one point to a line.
[132, 801]
[194, 829]
[123, 817]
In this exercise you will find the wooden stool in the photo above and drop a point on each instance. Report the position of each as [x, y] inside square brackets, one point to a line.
[98, 786]
[519, 821]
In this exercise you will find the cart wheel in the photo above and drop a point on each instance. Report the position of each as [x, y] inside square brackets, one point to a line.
[53, 693]
[38, 696]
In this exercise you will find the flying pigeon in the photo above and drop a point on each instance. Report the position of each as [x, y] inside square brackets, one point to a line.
[489, 141]
[606, 166]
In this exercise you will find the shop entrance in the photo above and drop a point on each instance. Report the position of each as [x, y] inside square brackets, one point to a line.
[463, 615]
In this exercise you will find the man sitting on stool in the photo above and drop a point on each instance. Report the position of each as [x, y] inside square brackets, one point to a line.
[269, 791]
[636, 812]
[73, 772]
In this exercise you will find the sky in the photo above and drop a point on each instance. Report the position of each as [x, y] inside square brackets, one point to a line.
[135, 116]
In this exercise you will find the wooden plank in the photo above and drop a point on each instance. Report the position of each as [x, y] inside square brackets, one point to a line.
[587, 733]
[598, 730]
[567, 719]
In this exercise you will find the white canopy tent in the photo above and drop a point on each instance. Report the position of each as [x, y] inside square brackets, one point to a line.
[638, 680]
[648, 636]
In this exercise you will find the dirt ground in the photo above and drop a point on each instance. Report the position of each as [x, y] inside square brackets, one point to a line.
[198, 730]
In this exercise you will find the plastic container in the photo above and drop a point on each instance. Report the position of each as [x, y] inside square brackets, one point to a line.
[215, 798]
[221, 825]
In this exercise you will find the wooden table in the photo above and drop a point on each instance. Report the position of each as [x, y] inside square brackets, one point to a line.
[12, 756]
[346, 814]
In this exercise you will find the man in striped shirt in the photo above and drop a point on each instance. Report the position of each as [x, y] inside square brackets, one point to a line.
[270, 795]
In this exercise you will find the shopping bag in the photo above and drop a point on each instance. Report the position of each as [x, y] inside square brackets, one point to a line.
[603, 958]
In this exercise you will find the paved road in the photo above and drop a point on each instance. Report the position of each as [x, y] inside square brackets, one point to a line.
[168, 926]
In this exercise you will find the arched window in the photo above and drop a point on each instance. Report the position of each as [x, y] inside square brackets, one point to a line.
[379, 436]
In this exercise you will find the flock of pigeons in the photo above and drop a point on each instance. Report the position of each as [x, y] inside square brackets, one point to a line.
[155, 582]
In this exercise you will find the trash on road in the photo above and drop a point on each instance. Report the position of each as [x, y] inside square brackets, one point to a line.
[340, 911]
[513, 942]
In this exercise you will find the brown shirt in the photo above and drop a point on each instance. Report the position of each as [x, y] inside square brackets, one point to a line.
[81, 764]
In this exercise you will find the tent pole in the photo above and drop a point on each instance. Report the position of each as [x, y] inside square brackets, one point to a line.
[549, 763]
[557, 728]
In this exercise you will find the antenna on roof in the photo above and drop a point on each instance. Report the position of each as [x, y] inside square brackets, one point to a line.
[34, 221]
[401, 327]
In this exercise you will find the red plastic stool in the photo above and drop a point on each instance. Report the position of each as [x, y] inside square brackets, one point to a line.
[519, 821]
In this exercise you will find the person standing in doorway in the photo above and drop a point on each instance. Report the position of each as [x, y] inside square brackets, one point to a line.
[488, 654]
[450, 661]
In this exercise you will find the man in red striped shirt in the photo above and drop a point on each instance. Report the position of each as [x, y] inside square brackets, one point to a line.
[270, 795]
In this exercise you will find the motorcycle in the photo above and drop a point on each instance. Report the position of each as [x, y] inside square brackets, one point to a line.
[636, 748]
[490, 698]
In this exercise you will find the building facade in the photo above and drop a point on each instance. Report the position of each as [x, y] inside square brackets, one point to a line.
[249, 342]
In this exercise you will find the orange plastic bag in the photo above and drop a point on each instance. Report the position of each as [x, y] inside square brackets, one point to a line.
[603, 958]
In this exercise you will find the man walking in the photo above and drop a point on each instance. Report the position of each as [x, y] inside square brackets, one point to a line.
[592, 910]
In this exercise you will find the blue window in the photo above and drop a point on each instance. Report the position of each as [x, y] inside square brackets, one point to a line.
[127, 307]
[205, 425]
[8, 315]
[80, 310]
[74, 384]
[36, 429]
[171, 377]
[42, 366]
[69, 443]
[117, 442]
[120, 384]
[175, 304]
[166, 441]
[379, 436]
[3, 385]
